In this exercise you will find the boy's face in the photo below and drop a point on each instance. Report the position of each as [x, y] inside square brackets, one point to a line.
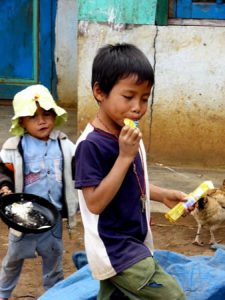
[127, 99]
[40, 124]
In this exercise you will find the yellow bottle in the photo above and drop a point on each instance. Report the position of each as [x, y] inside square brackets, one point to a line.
[177, 211]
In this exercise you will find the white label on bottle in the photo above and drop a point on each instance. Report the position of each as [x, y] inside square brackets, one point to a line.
[190, 201]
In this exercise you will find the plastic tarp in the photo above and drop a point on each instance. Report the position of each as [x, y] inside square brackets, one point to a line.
[201, 277]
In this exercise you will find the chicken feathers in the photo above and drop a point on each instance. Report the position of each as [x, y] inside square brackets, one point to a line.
[210, 212]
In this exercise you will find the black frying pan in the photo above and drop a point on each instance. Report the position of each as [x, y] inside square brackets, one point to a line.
[40, 207]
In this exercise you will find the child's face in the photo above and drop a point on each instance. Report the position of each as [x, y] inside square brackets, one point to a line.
[127, 99]
[40, 124]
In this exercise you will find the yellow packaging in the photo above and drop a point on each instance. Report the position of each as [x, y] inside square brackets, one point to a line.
[177, 211]
[131, 123]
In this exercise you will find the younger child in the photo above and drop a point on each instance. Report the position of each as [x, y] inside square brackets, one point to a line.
[37, 161]
[111, 175]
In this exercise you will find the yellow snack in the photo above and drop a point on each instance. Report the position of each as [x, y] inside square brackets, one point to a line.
[178, 210]
[131, 123]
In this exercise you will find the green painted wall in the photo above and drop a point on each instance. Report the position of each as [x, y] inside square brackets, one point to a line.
[118, 11]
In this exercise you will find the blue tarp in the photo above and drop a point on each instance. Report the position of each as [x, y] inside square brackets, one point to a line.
[201, 277]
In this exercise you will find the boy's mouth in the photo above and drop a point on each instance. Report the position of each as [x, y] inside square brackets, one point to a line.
[43, 129]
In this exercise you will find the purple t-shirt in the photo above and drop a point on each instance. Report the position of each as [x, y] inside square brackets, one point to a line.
[122, 226]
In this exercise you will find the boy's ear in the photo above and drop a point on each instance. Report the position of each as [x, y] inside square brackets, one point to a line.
[98, 93]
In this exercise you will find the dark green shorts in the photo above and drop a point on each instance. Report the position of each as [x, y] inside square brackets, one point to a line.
[144, 280]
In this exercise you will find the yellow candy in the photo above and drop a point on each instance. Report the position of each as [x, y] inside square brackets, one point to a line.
[131, 123]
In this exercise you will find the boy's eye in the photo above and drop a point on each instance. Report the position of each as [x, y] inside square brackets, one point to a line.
[128, 97]
[50, 113]
[47, 113]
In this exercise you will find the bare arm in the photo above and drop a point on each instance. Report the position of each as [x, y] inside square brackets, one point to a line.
[6, 178]
[167, 196]
[97, 198]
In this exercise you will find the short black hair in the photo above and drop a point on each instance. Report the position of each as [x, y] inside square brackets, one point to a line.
[115, 62]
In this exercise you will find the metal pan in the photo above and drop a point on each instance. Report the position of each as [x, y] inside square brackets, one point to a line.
[42, 210]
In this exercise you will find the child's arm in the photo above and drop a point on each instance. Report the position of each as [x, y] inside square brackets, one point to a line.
[97, 198]
[167, 196]
[6, 179]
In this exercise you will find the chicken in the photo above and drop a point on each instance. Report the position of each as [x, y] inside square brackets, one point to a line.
[210, 212]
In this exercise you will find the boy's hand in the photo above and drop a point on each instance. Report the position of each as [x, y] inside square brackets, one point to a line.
[168, 197]
[129, 141]
[173, 197]
[5, 190]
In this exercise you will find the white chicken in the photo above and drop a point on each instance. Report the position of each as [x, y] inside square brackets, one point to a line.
[210, 212]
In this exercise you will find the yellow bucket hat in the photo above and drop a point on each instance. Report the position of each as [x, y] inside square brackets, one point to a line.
[24, 104]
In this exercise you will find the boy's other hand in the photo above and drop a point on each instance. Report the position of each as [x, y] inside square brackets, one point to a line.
[173, 197]
[5, 191]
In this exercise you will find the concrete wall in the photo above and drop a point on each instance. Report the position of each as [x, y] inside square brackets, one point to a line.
[66, 51]
[185, 121]
[189, 108]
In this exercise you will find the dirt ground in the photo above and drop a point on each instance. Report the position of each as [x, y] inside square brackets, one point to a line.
[174, 237]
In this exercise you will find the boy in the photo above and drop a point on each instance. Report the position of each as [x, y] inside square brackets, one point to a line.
[111, 175]
[37, 161]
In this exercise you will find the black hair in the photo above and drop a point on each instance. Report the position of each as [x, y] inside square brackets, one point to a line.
[115, 62]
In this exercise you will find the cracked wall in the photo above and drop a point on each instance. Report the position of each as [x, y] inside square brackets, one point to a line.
[184, 124]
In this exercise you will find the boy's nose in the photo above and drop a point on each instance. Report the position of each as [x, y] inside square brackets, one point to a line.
[41, 119]
[136, 107]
